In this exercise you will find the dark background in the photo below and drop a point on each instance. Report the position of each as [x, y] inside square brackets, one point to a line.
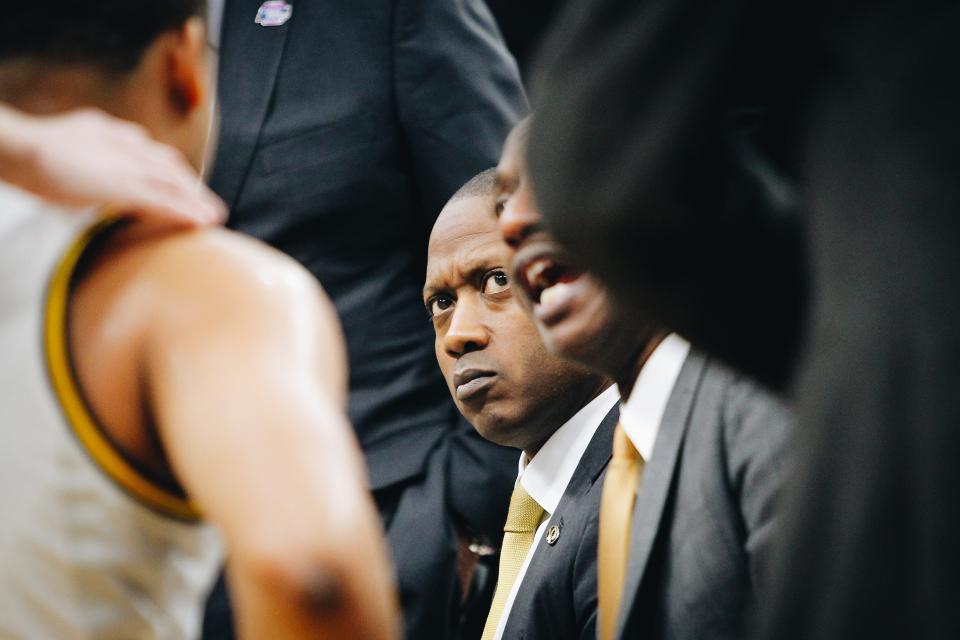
[523, 24]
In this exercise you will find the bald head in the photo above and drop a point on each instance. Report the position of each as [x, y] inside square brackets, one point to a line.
[482, 184]
[469, 211]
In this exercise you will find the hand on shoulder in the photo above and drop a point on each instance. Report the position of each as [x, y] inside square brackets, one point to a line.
[86, 158]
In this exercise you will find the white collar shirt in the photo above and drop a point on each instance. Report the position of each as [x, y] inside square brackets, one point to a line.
[545, 477]
[642, 412]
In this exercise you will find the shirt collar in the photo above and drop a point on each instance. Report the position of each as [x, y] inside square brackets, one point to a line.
[641, 413]
[547, 475]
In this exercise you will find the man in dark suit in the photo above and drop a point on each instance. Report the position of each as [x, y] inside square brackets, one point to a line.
[682, 555]
[345, 128]
[516, 393]
[864, 95]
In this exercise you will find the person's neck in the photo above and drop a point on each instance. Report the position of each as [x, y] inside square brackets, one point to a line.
[531, 450]
[631, 369]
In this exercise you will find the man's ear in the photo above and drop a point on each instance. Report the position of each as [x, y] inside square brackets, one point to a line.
[187, 59]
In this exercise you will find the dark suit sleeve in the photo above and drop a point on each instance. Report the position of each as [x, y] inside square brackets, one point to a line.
[757, 430]
[458, 93]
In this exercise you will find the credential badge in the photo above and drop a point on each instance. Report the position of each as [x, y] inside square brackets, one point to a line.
[274, 13]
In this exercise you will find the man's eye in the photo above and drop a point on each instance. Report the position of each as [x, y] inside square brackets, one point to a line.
[496, 282]
[438, 305]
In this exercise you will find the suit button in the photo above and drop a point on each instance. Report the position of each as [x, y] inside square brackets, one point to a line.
[553, 534]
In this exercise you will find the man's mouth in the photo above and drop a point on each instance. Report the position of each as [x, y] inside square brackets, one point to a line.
[469, 382]
[546, 280]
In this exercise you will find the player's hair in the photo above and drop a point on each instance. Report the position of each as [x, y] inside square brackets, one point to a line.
[111, 34]
[482, 184]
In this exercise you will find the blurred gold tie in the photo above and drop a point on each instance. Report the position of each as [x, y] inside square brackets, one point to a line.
[616, 512]
[518, 534]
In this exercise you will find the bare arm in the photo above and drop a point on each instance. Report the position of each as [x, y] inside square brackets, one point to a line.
[87, 158]
[247, 381]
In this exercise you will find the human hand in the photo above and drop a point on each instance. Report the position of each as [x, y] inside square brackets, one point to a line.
[87, 157]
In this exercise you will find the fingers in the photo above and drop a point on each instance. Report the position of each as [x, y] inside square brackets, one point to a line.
[88, 158]
[177, 206]
[165, 186]
[169, 189]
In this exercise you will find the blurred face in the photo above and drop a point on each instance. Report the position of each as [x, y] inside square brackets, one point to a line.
[498, 371]
[574, 314]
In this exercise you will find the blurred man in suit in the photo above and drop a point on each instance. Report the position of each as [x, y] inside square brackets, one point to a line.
[689, 505]
[704, 180]
[346, 127]
[517, 394]
[860, 99]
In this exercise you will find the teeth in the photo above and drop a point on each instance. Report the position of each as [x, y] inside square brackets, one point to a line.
[535, 270]
[555, 292]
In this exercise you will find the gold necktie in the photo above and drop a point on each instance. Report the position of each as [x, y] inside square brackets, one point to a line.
[616, 512]
[518, 534]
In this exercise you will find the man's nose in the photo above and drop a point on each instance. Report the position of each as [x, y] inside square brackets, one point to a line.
[466, 332]
[518, 219]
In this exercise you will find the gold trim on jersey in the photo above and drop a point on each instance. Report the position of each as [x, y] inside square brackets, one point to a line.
[79, 416]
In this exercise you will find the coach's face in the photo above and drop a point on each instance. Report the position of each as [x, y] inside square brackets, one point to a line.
[500, 374]
[574, 314]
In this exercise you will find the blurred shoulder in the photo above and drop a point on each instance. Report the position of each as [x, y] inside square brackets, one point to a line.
[211, 265]
[202, 282]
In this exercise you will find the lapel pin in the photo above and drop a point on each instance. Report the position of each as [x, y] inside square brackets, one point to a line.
[553, 534]
[274, 13]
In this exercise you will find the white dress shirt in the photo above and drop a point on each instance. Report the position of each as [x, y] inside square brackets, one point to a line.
[642, 412]
[547, 475]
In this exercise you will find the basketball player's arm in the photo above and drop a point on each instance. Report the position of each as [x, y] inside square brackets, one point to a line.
[247, 378]
[88, 158]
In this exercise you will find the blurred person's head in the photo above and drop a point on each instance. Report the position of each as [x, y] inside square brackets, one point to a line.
[142, 60]
[500, 374]
[573, 312]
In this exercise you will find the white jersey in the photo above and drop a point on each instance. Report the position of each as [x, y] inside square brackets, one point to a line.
[89, 547]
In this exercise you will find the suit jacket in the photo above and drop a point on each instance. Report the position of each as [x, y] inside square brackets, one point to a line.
[706, 512]
[343, 133]
[558, 596]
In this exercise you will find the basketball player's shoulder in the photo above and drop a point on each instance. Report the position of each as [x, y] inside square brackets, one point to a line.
[212, 266]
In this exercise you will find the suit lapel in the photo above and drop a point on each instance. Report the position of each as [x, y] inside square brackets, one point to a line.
[249, 62]
[594, 459]
[658, 477]
[591, 466]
